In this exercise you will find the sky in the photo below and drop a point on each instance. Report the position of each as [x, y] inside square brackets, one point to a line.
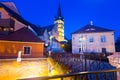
[76, 13]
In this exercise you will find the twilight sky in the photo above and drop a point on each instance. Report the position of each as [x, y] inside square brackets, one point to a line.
[76, 13]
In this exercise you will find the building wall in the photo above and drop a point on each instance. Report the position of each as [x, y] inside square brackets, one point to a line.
[9, 49]
[5, 15]
[96, 45]
[18, 25]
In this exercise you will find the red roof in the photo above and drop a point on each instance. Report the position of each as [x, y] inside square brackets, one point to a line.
[23, 35]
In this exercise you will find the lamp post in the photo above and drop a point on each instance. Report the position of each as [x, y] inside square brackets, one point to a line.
[51, 37]
[19, 56]
[81, 40]
[49, 53]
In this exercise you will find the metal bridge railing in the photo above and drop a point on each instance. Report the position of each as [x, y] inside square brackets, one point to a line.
[88, 75]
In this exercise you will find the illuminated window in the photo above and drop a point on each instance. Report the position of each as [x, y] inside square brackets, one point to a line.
[27, 50]
[91, 39]
[5, 29]
[103, 39]
[59, 29]
[11, 29]
[59, 25]
[0, 29]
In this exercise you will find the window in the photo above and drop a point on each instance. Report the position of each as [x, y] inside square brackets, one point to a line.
[27, 50]
[5, 29]
[11, 29]
[91, 39]
[103, 39]
[0, 29]
[79, 50]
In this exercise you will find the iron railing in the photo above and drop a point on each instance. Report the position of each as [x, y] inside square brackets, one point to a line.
[91, 75]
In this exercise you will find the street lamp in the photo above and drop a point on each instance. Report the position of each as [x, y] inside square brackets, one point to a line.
[19, 56]
[51, 37]
[81, 40]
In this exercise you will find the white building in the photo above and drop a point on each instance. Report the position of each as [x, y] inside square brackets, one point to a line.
[94, 39]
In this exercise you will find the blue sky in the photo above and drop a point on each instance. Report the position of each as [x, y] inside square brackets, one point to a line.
[77, 13]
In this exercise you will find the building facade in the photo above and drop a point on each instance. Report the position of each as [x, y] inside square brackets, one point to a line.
[17, 34]
[93, 39]
[49, 37]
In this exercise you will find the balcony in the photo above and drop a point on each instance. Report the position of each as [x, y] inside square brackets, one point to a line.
[7, 23]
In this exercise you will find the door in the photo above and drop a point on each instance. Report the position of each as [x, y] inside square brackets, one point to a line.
[103, 50]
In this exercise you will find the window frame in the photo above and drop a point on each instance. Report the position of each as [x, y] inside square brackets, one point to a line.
[91, 39]
[29, 51]
[103, 39]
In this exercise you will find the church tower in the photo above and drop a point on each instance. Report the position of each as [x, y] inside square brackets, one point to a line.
[59, 22]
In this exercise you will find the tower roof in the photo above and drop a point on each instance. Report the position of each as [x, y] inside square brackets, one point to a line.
[59, 11]
[59, 14]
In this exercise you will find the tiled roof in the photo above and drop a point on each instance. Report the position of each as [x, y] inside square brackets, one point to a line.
[91, 29]
[38, 30]
[49, 27]
[23, 35]
[11, 6]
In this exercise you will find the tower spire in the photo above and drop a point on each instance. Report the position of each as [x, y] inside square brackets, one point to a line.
[59, 22]
[59, 13]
